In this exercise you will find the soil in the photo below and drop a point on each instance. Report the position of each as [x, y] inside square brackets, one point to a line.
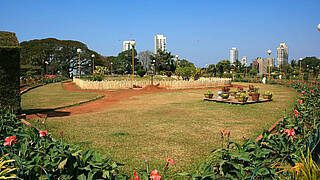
[110, 98]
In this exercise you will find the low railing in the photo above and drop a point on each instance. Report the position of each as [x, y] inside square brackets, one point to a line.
[169, 84]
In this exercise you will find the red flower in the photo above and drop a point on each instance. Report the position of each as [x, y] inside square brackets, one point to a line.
[311, 91]
[170, 161]
[43, 133]
[296, 113]
[290, 132]
[223, 131]
[300, 101]
[228, 133]
[155, 175]
[303, 92]
[135, 176]
[10, 140]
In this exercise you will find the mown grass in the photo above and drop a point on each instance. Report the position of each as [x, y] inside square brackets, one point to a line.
[176, 124]
[52, 96]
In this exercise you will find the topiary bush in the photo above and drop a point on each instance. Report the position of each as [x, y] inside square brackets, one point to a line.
[141, 72]
[10, 77]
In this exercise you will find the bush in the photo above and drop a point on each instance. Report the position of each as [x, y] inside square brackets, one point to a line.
[10, 77]
[141, 72]
[168, 73]
[37, 155]
[8, 39]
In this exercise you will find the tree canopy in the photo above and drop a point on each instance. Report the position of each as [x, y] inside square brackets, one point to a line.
[61, 55]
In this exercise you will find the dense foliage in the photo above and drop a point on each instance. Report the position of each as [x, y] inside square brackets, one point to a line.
[8, 39]
[61, 55]
[9, 77]
[36, 154]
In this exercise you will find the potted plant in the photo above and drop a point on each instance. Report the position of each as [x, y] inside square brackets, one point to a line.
[208, 94]
[243, 97]
[225, 95]
[225, 89]
[251, 89]
[233, 92]
[255, 94]
[237, 95]
[267, 95]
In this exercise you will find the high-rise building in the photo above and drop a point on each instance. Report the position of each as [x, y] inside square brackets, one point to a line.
[160, 42]
[233, 55]
[282, 54]
[244, 61]
[127, 45]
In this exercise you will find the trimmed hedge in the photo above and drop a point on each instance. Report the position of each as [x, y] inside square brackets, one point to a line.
[10, 78]
[8, 39]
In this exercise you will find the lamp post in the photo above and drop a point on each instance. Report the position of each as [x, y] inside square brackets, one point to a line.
[300, 65]
[46, 62]
[153, 63]
[92, 63]
[111, 68]
[79, 51]
[133, 44]
[269, 52]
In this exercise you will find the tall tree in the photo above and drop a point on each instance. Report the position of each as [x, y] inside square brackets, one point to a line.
[61, 55]
[145, 58]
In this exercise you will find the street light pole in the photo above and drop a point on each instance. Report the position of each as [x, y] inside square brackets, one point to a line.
[269, 52]
[92, 63]
[46, 62]
[300, 65]
[133, 44]
[79, 51]
[111, 67]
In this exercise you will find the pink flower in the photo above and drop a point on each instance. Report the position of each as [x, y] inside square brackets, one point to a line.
[303, 92]
[135, 176]
[228, 133]
[290, 132]
[155, 175]
[300, 101]
[223, 131]
[10, 140]
[296, 113]
[311, 91]
[170, 161]
[43, 133]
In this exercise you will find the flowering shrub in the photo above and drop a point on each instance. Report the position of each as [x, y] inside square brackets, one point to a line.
[52, 79]
[36, 154]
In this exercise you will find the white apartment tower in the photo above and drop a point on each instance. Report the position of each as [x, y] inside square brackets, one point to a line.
[160, 42]
[244, 61]
[233, 55]
[282, 54]
[127, 45]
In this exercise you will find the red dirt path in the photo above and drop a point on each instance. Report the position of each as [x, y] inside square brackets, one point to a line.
[110, 97]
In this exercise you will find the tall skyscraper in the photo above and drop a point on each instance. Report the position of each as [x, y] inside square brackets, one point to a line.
[160, 42]
[282, 54]
[244, 61]
[233, 55]
[126, 45]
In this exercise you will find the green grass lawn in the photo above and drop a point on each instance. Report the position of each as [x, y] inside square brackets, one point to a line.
[176, 124]
[53, 96]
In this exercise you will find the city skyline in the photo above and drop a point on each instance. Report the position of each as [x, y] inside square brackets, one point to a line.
[202, 37]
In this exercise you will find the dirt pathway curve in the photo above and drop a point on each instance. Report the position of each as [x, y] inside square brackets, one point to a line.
[110, 97]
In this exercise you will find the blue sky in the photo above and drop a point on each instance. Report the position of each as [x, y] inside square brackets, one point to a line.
[201, 31]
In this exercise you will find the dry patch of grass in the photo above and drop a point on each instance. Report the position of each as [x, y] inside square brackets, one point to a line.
[178, 124]
[53, 96]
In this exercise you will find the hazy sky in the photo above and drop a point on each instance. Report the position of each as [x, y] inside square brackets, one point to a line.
[202, 31]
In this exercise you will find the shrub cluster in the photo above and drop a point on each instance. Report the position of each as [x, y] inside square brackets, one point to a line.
[37, 155]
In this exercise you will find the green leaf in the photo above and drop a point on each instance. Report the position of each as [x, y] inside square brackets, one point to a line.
[82, 177]
[62, 163]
